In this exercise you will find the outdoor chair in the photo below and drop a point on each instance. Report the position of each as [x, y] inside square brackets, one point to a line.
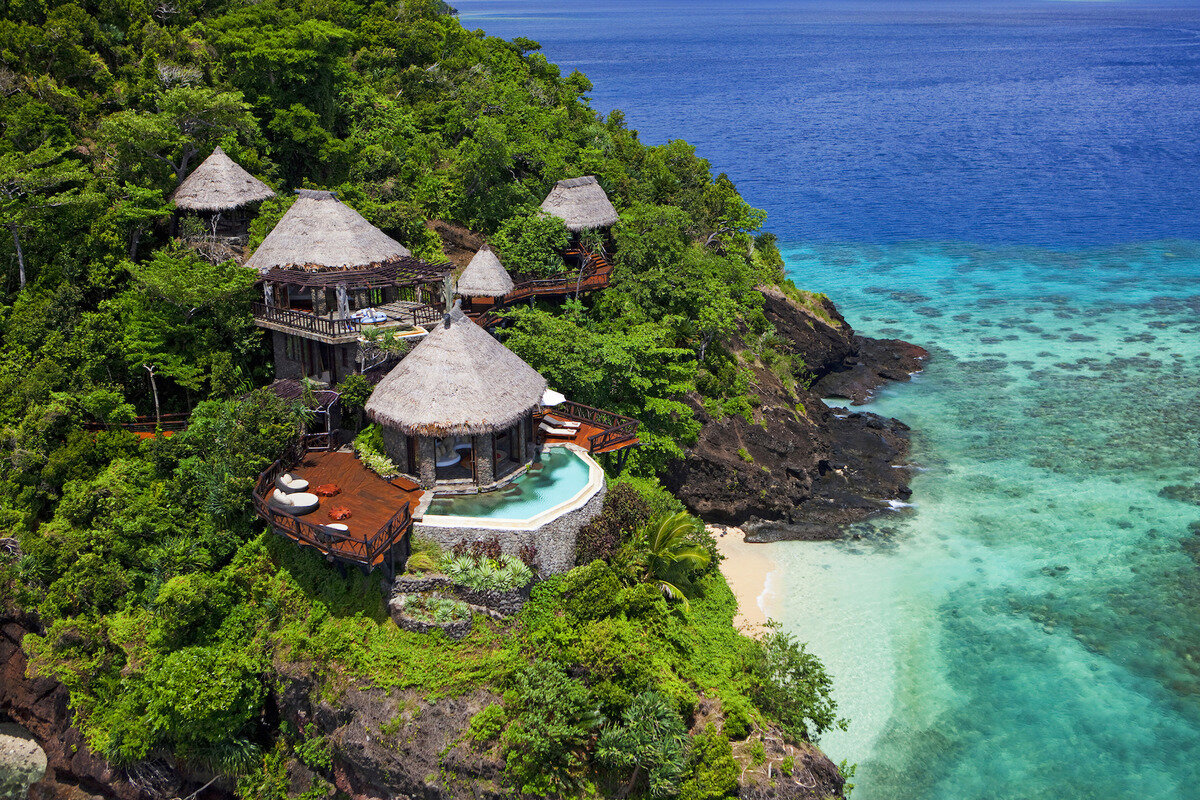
[327, 534]
[289, 483]
[553, 431]
[562, 423]
[296, 503]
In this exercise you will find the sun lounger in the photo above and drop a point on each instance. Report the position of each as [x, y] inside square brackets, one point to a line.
[296, 503]
[329, 533]
[562, 423]
[289, 483]
[553, 431]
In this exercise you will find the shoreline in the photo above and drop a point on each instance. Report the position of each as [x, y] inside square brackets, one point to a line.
[752, 575]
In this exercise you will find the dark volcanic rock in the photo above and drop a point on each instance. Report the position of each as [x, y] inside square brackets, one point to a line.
[73, 771]
[394, 743]
[798, 469]
[873, 363]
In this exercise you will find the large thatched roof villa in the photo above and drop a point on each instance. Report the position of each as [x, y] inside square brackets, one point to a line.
[328, 278]
[458, 411]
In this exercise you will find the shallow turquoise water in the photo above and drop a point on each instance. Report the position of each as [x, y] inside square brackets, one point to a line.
[1031, 627]
[561, 475]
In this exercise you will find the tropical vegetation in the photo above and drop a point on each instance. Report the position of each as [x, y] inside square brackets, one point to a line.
[161, 604]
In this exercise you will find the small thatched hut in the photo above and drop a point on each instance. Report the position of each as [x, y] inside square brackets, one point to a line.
[485, 277]
[458, 410]
[581, 204]
[220, 185]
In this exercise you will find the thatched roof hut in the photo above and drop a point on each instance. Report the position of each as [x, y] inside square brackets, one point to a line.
[457, 380]
[219, 184]
[485, 276]
[580, 203]
[321, 233]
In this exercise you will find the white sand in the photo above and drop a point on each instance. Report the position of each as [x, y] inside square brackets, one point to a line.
[751, 574]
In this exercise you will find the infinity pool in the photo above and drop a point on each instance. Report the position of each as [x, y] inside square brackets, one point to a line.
[559, 477]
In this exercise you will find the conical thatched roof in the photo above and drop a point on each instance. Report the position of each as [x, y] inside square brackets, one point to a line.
[580, 203]
[457, 380]
[219, 184]
[485, 276]
[320, 232]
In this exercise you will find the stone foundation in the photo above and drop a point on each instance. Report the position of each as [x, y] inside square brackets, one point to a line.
[554, 540]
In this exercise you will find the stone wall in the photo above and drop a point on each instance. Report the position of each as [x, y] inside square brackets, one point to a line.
[555, 541]
[284, 366]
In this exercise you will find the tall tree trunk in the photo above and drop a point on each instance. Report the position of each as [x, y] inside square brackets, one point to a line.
[154, 389]
[20, 255]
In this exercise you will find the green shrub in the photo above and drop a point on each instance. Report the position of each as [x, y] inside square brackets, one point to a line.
[553, 717]
[431, 608]
[737, 712]
[791, 685]
[744, 455]
[714, 769]
[488, 724]
[368, 445]
[590, 592]
[503, 574]
[624, 511]
[646, 747]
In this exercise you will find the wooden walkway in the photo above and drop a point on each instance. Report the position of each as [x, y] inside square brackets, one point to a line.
[595, 274]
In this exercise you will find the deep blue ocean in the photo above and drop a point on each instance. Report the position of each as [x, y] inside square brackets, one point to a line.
[1016, 186]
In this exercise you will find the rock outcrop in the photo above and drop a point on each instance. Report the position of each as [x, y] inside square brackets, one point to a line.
[73, 771]
[798, 469]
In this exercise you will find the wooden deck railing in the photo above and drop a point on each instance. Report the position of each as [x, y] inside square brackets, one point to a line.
[165, 423]
[307, 322]
[594, 274]
[368, 553]
[615, 428]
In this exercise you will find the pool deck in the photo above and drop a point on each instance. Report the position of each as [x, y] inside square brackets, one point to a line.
[581, 439]
[372, 500]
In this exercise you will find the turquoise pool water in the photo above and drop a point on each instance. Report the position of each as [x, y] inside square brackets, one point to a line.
[558, 477]
[1030, 629]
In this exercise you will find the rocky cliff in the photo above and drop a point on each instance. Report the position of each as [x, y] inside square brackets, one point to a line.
[797, 469]
[378, 744]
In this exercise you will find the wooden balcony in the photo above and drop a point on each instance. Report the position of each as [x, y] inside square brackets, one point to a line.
[380, 518]
[325, 328]
[599, 431]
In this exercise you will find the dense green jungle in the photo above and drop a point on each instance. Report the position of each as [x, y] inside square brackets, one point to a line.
[169, 612]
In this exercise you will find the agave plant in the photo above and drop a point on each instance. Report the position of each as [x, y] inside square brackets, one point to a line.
[665, 556]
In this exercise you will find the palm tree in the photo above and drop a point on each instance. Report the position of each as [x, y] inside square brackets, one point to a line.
[664, 555]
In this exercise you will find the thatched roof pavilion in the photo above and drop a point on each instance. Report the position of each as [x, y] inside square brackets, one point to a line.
[219, 184]
[321, 233]
[457, 380]
[580, 203]
[485, 276]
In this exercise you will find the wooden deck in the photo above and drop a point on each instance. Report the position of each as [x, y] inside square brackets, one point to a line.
[373, 504]
[583, 439]
[599, 431]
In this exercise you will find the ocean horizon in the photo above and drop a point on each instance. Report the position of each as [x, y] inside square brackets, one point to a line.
[1013, 186]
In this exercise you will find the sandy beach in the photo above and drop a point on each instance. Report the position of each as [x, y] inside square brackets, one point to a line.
[751, 574]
